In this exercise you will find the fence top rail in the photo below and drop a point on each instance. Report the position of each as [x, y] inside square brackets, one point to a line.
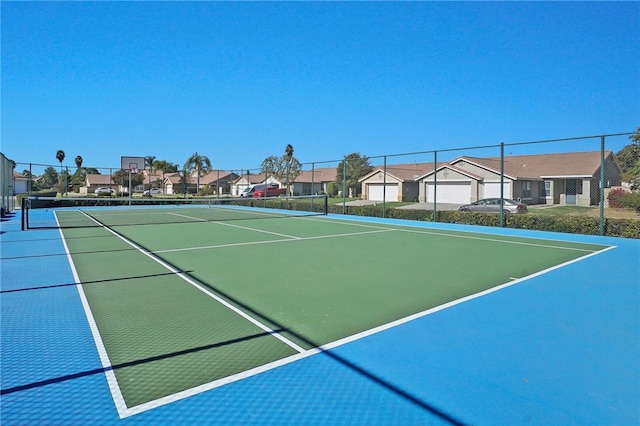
[433, 151]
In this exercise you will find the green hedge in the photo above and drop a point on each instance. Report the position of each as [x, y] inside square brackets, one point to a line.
[628, 228]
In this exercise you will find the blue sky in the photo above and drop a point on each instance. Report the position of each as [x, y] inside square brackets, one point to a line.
[238, 81]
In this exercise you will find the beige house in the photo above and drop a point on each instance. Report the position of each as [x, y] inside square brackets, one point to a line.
[310, 182]
[398, 182]
[566, 178]
[250, 179]
[93, 181]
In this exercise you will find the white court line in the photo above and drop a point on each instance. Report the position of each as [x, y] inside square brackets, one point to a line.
[293, 358]
[126, 412]
[123, 411]
[470, 237]
[118, 399]
[457, 302]
[251, 243]
[237, 226]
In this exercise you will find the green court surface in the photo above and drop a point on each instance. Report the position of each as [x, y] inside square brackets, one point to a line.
[179, 307]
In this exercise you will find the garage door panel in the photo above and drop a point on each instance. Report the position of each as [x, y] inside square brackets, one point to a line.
[450, 192]
[376, 192]
[492, 190]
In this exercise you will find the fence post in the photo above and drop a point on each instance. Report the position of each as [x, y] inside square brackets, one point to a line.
[384, 188]
[435, 187]
[602, 185]
[344, 185]
[501, 184]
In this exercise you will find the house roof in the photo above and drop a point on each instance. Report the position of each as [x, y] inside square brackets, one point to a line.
[323, 174]
[252, 178]
[454, 168]
[96, 179]
[403, 172]
[216, 175]
[544, 165]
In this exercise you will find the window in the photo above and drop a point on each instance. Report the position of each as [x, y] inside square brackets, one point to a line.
[545, 188]
[526, 189]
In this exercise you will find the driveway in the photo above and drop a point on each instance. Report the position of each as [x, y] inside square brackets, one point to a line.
[429, 206]
[416, 206]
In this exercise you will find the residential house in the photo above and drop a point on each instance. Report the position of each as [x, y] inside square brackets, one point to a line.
[219, 181]
[20, 183]
[565, 178]
[398, 182]
[315, 181]
[93, 181]
[249, 179]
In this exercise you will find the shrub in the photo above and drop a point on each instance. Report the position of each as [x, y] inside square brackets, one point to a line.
[615, 197]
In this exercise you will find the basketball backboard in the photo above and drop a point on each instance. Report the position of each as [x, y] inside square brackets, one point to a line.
[133, 164]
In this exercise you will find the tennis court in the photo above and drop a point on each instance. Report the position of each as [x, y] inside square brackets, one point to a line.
[236, 314]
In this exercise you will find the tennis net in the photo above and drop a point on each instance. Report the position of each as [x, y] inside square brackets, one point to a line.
[76, 212]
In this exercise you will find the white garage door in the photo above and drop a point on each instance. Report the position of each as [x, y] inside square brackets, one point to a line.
[376, 192]
[450, 192]
[492, 190]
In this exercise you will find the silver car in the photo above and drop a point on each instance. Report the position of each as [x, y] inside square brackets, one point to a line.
[105, 190]
[492, 205]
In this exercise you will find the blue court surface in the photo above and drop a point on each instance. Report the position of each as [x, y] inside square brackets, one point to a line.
[559, 348]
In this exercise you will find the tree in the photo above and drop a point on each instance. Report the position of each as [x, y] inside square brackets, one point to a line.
[165, 166]
[629, 161]
[185, 178]
[31, 183]
[148, 162]
[60, 156]
[356, 166]
[121, 177]
[49, 178]
[79, 175]
[200, 164]
[288, 157]
[278, 167]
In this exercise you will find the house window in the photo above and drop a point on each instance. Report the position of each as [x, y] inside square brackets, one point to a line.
[545, 188]
[526, 189]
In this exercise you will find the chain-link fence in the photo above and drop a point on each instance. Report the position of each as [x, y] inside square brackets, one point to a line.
[7, 203]
[578, 177]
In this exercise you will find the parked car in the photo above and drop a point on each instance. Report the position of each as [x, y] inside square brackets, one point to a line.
[105, 190]
[492, 205]
[269, 191]
[272, 190]
[152, 191]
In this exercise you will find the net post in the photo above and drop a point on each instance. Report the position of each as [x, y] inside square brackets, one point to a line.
[23, 209]
[326, 204]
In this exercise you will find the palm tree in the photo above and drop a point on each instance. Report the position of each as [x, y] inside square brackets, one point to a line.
[288, 153]
[201, 164]
[78, 176]
[60, 156]
[148, 161]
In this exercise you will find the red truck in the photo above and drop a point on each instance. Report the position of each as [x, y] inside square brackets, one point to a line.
[271, 191]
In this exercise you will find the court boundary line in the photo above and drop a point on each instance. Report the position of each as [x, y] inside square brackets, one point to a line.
[248, 243]
[302, 353]
[121, 407]
[376, 231]
[349, 339]
[107, 367]
[453, 232]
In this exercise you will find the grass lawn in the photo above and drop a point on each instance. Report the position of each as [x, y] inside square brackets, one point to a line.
[593, 211]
